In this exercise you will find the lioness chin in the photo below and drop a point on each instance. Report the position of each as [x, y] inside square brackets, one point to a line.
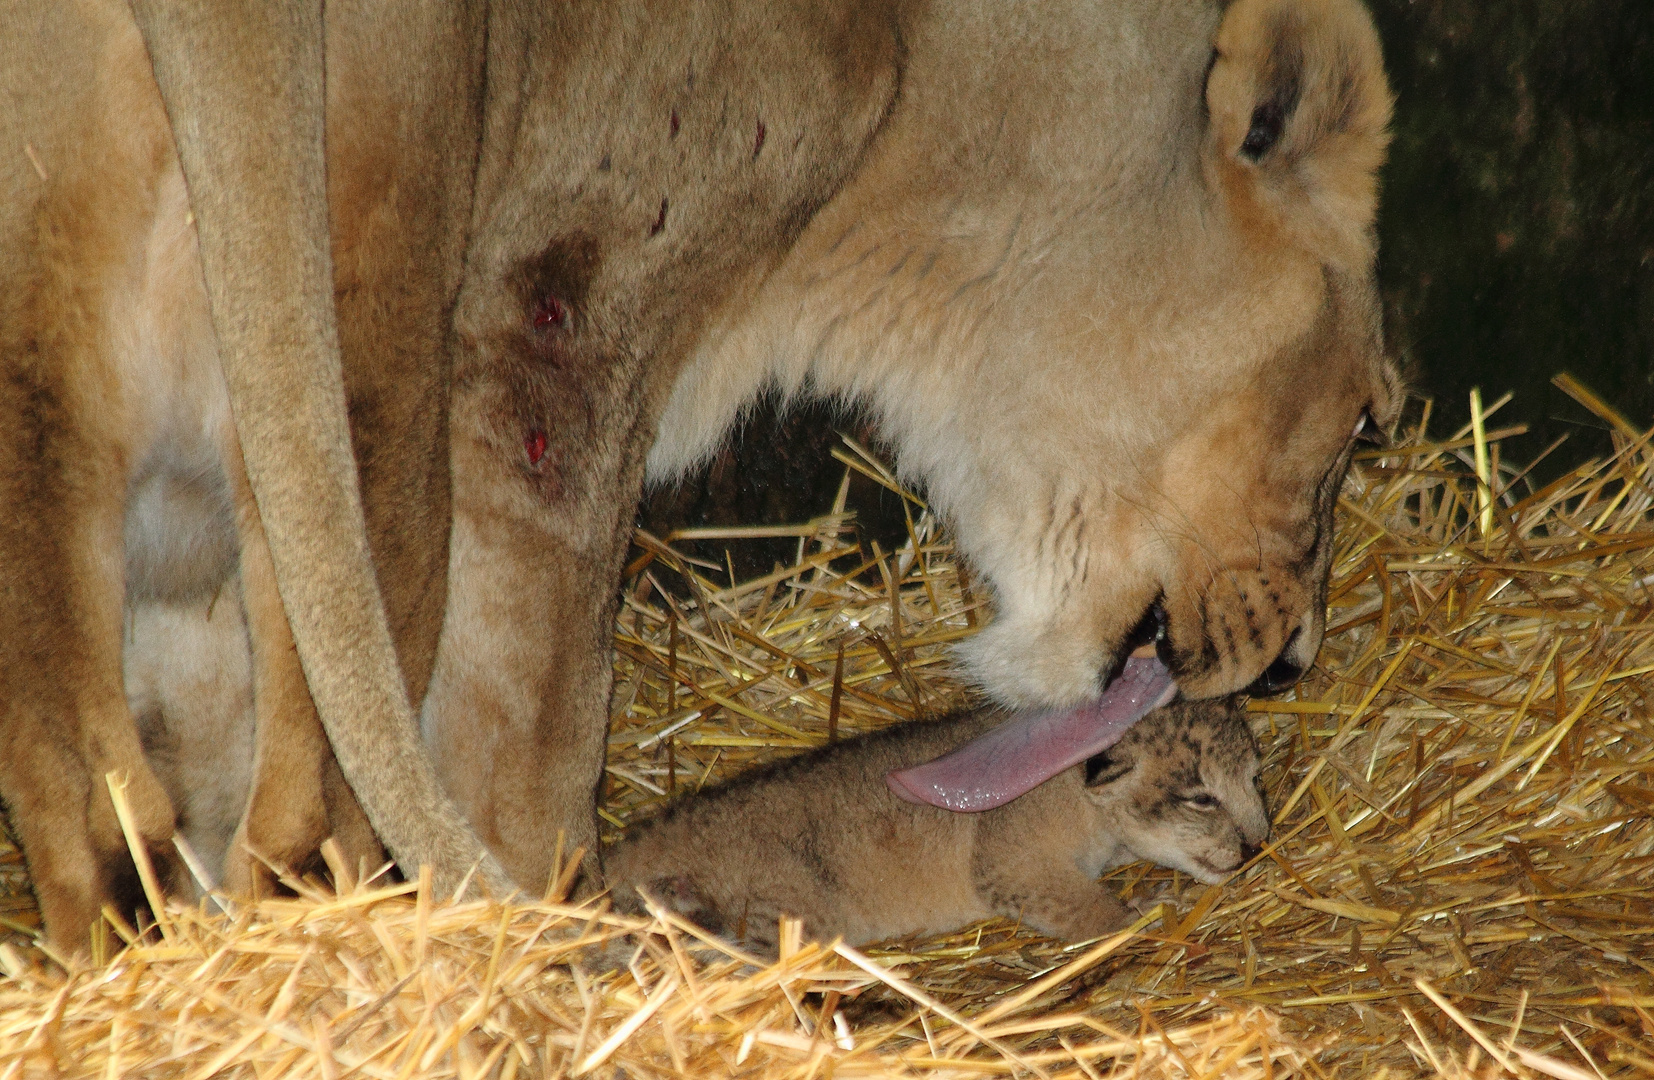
[1104, 272]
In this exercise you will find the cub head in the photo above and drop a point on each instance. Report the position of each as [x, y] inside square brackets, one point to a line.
[1181, 789]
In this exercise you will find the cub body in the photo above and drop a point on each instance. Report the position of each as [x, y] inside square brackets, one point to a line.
[821, 837]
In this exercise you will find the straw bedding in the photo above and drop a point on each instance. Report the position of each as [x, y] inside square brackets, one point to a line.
[1461, 881]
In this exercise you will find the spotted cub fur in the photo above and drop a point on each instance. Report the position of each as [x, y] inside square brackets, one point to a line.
[820, 837]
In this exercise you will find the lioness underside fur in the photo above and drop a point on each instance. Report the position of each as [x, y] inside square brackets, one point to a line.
[1103, 272]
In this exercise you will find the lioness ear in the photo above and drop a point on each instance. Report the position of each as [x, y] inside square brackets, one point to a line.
[1299, 111]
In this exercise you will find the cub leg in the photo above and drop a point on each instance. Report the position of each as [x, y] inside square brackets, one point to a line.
[1018, 876]
[189, 683]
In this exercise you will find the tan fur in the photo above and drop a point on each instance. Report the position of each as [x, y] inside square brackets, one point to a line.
[1121, 357]
[89, 279]
[243, 807]
[821, 838]
[1027, 237]
[518, 704]
[190, 688]
[246, 84]
[120, 450]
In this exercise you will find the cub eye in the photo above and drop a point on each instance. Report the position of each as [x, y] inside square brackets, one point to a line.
[1201, 801]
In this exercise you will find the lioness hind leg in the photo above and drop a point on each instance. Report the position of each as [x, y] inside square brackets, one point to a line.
[64, 723]
[59, 808]
[78, 235]
[348, 825]
[291, 807]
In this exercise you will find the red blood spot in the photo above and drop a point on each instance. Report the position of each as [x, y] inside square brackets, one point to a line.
[551, 312]
[758, 143]
[660, 222]
[535, 443]
[674, 123]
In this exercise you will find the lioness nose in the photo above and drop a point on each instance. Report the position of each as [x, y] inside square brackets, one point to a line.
[1280, 674]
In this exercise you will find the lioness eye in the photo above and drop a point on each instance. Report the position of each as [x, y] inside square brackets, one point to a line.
[1202, 801]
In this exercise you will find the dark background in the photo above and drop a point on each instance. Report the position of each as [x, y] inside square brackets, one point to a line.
[1517, 224]
[1516, 239]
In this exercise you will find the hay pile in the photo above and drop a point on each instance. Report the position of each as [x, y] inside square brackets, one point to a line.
[1461, 881]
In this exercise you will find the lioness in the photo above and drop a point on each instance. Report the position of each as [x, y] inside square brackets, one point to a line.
[1103, 271]
[821, 838]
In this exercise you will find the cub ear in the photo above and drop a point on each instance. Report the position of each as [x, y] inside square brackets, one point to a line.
[1299, 110]
[1105, 768]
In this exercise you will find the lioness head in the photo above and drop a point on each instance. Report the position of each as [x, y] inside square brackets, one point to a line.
[1106, 279]
[1181, 789]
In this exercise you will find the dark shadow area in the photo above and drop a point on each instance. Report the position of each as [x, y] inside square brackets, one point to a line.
[777, 468]
[1517, 224]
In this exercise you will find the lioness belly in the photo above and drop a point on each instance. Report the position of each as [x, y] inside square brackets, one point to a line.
[185, 656]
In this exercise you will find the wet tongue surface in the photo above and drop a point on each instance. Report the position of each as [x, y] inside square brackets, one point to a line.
[1030, 748]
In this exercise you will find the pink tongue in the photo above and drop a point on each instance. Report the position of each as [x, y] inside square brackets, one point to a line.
[1029, 749]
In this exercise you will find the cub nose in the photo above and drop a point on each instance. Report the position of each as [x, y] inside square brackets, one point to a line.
[1250, 852]
[1280, 674]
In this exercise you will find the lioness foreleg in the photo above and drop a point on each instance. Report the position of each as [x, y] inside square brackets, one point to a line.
[518, 705]
[617, 217]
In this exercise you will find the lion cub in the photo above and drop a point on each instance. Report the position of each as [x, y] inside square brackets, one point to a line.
[820, 837]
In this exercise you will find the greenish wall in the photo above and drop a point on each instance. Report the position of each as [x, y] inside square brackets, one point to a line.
[1517, 227]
